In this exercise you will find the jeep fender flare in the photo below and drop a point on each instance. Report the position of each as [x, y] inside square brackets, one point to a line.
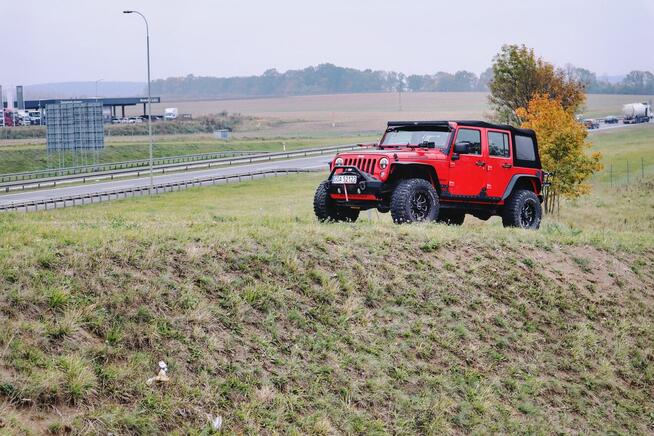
[416, 170]
[518, 179]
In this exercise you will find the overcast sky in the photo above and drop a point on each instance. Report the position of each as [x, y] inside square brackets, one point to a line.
[70, 40]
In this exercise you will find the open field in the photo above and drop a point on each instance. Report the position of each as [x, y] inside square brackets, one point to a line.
[300, 122]
[368, 113]
[634, 144]
[26, 154]
[281, 324]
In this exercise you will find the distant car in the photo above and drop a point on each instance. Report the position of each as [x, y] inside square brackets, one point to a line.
[35, 118]
[611, 120]
[591, 124]
[170, 113]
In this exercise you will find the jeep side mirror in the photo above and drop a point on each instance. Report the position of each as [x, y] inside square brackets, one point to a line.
[461, 147]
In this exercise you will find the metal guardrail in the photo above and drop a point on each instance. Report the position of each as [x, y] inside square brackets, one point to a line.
[185, 166]
[97, 197]
[108, 166]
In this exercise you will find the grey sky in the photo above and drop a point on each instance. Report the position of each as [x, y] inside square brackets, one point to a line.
[69, 40]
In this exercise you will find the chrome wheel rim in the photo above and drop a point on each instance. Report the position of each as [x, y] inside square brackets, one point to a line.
[527, 214]
[420, 205]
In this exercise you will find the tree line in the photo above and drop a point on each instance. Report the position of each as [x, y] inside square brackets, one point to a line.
[332, 79]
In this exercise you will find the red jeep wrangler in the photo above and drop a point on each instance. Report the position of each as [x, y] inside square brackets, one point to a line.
[438, 171]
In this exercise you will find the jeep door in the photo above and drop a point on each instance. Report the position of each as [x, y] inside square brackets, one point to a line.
[499, 164]
[467, 174]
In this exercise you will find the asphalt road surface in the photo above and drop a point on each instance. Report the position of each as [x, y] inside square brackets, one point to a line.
[604, 126]
[314, 162]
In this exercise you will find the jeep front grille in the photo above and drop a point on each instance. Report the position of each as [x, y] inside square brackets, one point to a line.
[367, 165]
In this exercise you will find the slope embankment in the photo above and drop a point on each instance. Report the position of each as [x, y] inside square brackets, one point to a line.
[280, 324]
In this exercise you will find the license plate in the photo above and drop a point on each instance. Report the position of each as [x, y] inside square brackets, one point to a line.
[344, 179]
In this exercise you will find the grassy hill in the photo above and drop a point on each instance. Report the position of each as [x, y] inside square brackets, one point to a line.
[280, 324]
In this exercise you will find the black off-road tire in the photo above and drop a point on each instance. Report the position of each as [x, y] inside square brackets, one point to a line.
[523, 210]
[451, 217]
[326, 210]
[414, 200]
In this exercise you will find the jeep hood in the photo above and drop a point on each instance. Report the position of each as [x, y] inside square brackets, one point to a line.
[396, 154]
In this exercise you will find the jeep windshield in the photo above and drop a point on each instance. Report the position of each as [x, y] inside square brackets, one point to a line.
[402, 137]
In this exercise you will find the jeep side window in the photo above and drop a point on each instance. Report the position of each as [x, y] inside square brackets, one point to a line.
[524, 148]
[498, 144]
[472, 137]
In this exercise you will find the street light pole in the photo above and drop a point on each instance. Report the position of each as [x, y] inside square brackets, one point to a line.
[147, 36]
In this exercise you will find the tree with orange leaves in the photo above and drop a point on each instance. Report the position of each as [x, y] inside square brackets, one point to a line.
[562, 144]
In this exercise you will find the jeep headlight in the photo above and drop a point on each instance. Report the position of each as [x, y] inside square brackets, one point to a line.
[339, 161]
[383, 163]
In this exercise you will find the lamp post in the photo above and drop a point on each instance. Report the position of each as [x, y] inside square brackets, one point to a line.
[147, 38]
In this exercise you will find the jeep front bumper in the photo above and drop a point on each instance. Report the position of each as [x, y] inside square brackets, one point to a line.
[367, 189]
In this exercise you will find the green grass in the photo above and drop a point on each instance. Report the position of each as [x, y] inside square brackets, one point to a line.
[281, 324]
[33, 156]
[633, 144]
[284, 325]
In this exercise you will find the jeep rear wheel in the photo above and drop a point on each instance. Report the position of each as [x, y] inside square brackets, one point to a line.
[522, 210]
[326, 210]
[414, 200]
[451, 217]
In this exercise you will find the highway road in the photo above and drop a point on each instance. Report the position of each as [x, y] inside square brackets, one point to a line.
[604, 126]
[315, 162]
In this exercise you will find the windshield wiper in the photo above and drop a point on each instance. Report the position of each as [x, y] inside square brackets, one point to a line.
[424, 144]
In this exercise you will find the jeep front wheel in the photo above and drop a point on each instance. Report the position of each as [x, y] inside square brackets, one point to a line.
[326, 210]
[522, 210]
[414, 200]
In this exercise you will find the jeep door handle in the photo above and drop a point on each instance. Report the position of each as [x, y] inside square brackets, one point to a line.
[506, 165]
[480, 163]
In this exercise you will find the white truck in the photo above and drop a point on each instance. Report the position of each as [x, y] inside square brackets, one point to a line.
[35, 118]
[170, 113]
[637, 113]
[22, 118]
